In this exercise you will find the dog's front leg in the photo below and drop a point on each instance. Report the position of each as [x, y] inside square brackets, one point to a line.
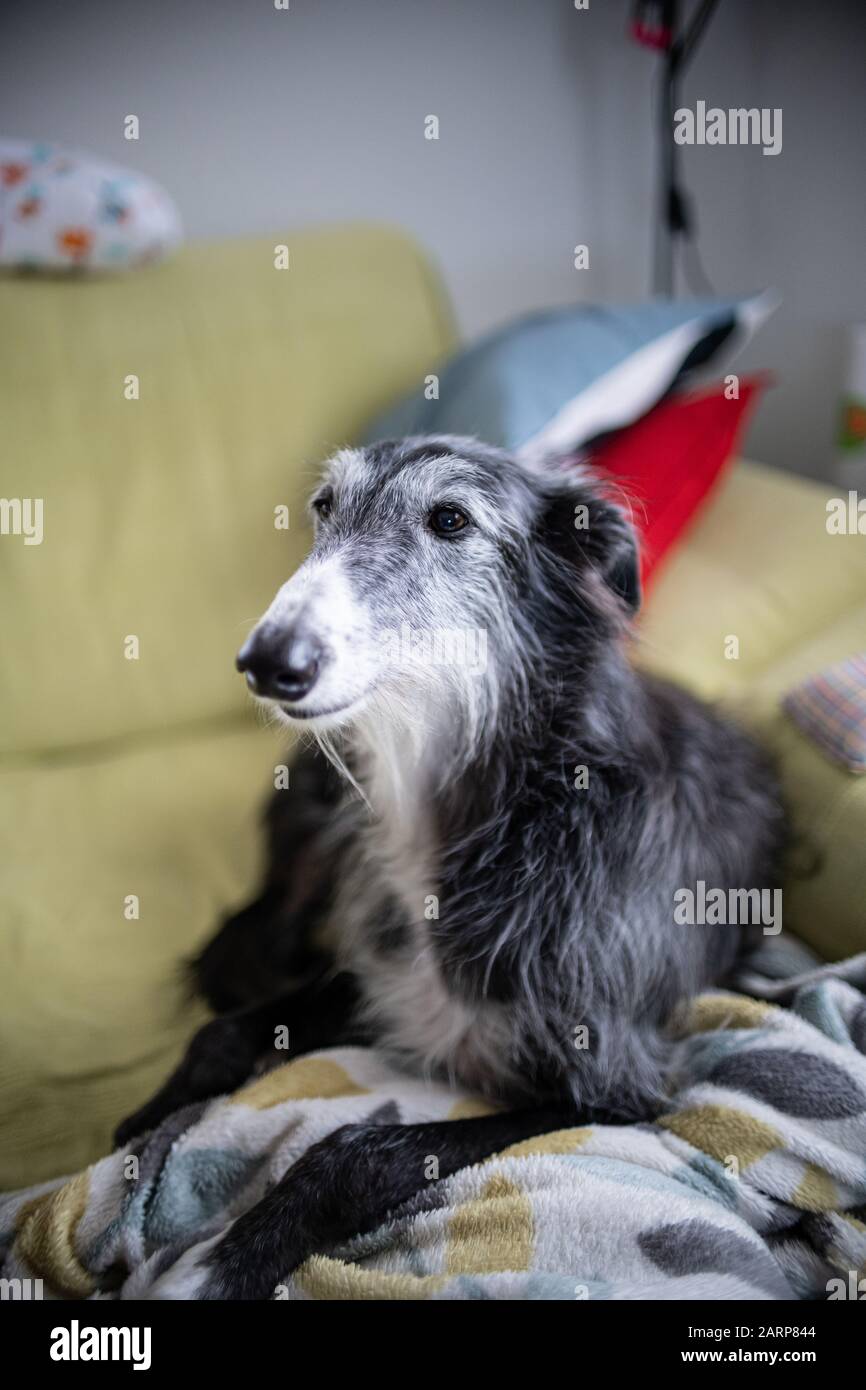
[345, 1185]
[222, 1054]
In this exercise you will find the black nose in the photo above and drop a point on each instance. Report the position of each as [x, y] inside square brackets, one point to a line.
[279, 665]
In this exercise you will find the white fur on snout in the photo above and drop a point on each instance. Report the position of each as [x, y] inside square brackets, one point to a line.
[318, 603]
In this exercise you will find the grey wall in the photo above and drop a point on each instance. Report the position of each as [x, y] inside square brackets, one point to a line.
[257, 119]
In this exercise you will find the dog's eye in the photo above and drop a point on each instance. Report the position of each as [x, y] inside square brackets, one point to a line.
[446, 521]
[322, 505]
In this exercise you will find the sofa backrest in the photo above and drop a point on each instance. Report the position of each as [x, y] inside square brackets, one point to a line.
[158, 512]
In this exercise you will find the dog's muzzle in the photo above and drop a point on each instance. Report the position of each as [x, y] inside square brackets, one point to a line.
[280, 664]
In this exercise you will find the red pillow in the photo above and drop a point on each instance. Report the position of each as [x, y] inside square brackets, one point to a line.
[667, 462]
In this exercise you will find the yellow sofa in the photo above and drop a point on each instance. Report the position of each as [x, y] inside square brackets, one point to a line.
[163, 418]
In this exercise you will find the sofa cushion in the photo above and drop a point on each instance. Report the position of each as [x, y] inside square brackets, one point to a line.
[93, 1007]
[159, 512]
[63, 210]
[553, 380]
[761, 567]
[758, 565]
[665, 465]
[831, 709]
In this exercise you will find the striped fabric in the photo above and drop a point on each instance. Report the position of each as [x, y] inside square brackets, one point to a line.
[831, 709]
[750, 1185]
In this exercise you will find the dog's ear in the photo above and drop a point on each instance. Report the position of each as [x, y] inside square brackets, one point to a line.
[586, 529]
[623, 571]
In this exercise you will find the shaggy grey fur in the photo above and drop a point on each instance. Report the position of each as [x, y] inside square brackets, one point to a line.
[490, 905]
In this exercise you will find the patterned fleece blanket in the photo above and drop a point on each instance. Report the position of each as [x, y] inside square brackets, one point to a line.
[751, 1185]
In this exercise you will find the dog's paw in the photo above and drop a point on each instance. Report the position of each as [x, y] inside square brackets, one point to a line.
[140, 1122]
[202, 1274]
[186, 1279]
[218, 1060]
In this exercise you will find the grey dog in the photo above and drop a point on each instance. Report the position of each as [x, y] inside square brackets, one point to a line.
[476, 864]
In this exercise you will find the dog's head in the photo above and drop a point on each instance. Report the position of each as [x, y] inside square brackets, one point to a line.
[446, 577]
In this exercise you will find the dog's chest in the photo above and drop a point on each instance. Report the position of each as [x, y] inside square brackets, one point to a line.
[389, 904]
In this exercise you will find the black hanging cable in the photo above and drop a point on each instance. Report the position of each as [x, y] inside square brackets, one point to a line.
[656, 24]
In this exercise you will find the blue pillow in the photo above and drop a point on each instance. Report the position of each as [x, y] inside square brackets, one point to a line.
[551, 382]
